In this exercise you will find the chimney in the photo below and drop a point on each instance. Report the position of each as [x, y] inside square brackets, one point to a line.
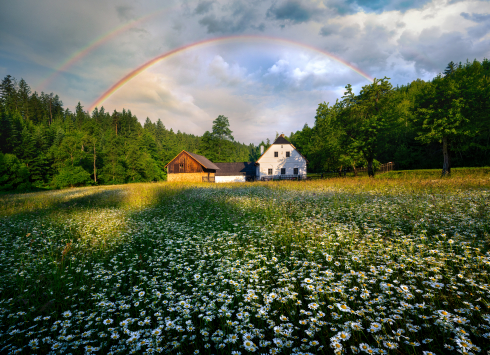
[282, 135]
[261, 149]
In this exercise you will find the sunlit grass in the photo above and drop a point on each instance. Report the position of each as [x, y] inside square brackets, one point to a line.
[338, 265]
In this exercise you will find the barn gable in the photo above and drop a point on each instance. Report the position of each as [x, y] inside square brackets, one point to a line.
[190, 167]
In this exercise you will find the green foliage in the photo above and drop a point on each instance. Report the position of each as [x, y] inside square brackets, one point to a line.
[13, 173]
[71, 176]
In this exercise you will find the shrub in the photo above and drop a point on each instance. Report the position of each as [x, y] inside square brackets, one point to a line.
[71, 176]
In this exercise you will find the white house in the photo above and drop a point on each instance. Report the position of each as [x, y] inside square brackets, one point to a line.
[281, 160]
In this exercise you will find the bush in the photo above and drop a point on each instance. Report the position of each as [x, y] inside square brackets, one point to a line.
[13, 173]
[71, 176]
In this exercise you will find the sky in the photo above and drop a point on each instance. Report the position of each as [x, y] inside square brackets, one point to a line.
[266, 65]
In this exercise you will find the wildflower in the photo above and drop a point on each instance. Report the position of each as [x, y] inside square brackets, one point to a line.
[232, 338]
[364, 347]
[343, 336]
[336, 346]
[248, 336]
[313, 306]
[249, 345]
[356, 326]
[374, 327]
[67, 314]
[390, 345]
[443, 313]
[108, 321]
[33, 343]
[277, 342]
[343, 307]
[404, 288]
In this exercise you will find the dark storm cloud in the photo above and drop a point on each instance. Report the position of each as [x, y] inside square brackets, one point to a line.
[124, 12]
[369, 47]
[294, 11]
[203, 7]
[431, 50]
[328, 29]
[347, 32]
[242, 17]
[214, 24]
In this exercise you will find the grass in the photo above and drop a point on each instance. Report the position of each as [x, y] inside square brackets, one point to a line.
[385, 265]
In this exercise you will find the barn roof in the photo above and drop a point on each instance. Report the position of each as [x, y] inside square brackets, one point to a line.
[234, 169]
[204, 161]
[199, 158]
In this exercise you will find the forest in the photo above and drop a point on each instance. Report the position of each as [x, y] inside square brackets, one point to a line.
[422, 125]
[441, 123]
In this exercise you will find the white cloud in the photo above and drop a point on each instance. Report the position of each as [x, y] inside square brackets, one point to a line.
[226, 73]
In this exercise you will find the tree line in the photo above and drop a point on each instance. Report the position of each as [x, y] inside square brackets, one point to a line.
[43, 144]
[423, 125]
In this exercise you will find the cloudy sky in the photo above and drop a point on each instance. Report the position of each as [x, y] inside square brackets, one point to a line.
[266, 65]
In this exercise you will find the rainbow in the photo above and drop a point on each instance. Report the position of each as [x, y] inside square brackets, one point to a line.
[253, 38]
[75, 57]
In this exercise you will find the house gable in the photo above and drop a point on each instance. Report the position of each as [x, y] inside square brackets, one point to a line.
[281, 140]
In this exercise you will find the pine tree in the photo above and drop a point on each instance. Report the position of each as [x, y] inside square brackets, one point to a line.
[24, 97]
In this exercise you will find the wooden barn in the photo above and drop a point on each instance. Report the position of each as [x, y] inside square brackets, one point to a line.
[190, 167]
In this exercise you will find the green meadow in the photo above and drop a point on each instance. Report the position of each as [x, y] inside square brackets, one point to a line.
[398, 264]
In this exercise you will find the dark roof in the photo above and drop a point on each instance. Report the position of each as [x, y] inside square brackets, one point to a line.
[281, 140]
[234, 169]
[203, 161]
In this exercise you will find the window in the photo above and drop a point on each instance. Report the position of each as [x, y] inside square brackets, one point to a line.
[270, 172]
[283, 171]
[276, 154]
[181, 167]
[295, 171]
[288, 154]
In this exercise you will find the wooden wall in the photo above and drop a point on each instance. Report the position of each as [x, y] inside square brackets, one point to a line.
[184, 163]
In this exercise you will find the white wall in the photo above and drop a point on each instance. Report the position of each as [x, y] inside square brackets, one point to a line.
[238, 178]
[268, 161]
